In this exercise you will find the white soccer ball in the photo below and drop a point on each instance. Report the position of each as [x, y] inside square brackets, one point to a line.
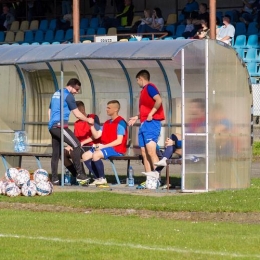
[11, 174]
[40, 175]
[12, 190]
[22, 177]
[152, 183]
[3, 185]
[29, 188]
[44, 188]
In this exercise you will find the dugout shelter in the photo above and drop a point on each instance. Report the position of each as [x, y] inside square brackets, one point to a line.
[204, 85]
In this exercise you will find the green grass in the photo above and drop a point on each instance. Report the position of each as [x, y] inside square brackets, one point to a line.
[244, 200]
[88, 234]
[256, 149]
[34, 235]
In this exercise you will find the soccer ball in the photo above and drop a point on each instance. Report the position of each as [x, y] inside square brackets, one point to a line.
[11, 174]
[40, 175]
[152, 183]
[29, 188]
[22, 177]
[12, 190]
[3, 184]
[44, 188]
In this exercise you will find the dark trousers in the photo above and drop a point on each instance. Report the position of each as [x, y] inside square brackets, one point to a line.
[71, 140]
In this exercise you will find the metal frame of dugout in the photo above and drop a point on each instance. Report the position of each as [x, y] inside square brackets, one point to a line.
[184, 70]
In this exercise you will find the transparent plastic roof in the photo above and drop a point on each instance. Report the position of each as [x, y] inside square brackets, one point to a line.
[20, 54]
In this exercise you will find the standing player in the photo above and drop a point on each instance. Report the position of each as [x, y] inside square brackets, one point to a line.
[151, 114]
[73, 87]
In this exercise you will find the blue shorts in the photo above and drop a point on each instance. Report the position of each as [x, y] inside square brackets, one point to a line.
[149, 131]
[107, 152]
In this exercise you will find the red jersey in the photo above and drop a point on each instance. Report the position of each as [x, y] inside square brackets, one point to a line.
[146, 103]
[82, 130]
[109, 134]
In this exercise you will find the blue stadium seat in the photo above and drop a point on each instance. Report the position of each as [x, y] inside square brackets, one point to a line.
[240, 41]
[179, 30]
[83, 24]
[181, 17]
[28, 36]
[168, 38]
[252, 41]
[219, 15]
[94, 23]
[49, 36]
[101, 31]
[90, 31]
[46, 43]
[240, 53]
[39, 36]
[68, 35]
[43, 25]
[132, 39]
[25, 43]
[250, 55]
[232, 16]
[252, 68]
[170, 29]
[58, 37]
[240, 28]
[53, 24]
[56, 43]
[180, 38]
[35, 43]
[145, 39]
[252, 29]
[2, 36]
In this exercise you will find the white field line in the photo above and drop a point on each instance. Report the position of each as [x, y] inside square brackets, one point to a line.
[135, 246]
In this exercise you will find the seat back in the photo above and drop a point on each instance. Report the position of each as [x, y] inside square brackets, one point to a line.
[170, 29]
[59, 36]
[252, 41]
[15, 26]
[179, 30]
[39, 36]
[240, 53]
[171, 19]
[252, 28]
[69, 35]
[83, 23]
[9, 37]
[43, 25]
[240, 41]
[101, 31]
[49, 35]
[53, 24]
[28, 36]
[2, 36]
[24, 26]
[19, 37]
[112, 31]
[250, 55]
[94, 22]
[34, 25]
[240, 28]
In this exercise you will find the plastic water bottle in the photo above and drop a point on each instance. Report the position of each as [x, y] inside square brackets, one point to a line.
[131, 180]
[67, 178]
[194, 158]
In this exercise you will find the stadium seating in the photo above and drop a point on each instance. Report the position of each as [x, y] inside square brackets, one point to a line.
[68, 35]
[240, 41]
[240, 53]
[52, 24]
[94, 23]
[2, 36]
[252, 29]
[240, 28]
[179, 31]
[49, 36]
[15, 26]
[250, 55]
[39, 36]
[112, 31]
[170, 29]
[252, 41]
[43, 25]
[171, 19]
[58, 37]
[28, 36]
[83, 23]
[24, 26]
[101, 31]
[252, 68]
[9, 36]
[34, 25]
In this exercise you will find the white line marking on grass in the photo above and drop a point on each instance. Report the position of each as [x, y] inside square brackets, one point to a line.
[135, 246]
